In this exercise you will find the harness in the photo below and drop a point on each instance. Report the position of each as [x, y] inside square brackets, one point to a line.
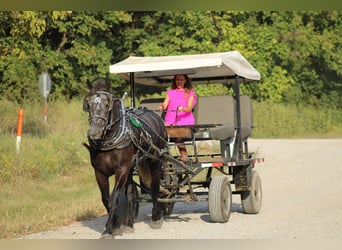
[124, 135]
[145, 137]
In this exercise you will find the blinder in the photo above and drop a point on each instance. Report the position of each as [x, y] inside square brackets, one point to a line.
[86, 106]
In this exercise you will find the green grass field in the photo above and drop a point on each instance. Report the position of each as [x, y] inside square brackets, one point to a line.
[50, 182]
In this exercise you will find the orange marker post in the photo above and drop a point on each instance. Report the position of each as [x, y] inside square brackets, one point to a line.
[45, 111]
[19, 128]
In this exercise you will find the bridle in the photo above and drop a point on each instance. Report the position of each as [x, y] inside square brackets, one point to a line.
[98, 100]
[118, 138]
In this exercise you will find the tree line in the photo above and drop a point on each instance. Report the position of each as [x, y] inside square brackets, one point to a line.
[298, 53]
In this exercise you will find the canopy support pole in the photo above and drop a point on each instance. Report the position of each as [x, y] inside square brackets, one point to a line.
[237, 153]
[132, 90]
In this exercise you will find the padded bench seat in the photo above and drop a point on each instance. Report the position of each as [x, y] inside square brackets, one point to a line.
[215, 117]
[217, 110]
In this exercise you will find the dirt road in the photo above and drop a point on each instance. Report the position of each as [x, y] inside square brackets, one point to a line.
[302, 199]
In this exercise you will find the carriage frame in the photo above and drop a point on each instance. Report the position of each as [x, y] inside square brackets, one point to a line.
[212, 177]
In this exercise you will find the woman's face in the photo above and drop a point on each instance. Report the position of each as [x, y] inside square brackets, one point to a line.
[180, 81]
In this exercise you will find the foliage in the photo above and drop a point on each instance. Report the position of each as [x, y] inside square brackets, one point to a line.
[47, 149]
[34, 206]
[291, 121]
[298, 53]
[71, 46]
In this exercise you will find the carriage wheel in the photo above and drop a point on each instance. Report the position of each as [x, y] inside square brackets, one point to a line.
[251, 200]
[135, 201]
[220, 199]
[169, 178]
[168, 208]
[122, 206]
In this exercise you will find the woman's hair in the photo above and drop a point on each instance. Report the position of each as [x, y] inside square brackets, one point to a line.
[187, 85]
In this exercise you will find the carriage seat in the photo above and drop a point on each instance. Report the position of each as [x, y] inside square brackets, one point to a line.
[212, 110]
[173, 132]
[216, 110]
[246, 116]
[153, 104]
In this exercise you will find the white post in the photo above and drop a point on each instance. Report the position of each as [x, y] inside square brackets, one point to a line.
[19, 129]
[18, 143]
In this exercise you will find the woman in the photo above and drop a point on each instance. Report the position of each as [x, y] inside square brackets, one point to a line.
[179, 103]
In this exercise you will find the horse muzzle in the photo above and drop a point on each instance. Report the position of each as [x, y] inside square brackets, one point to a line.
[96, 129]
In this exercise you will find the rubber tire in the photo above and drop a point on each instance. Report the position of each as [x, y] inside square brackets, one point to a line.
[168, 208]
[220, 199]
[122, 206]
[136, 203]
[251, 200]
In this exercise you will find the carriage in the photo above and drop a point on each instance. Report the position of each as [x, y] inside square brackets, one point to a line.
[225, 121]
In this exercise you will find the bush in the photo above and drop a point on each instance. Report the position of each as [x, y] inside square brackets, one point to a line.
[293, 121]
[47, 149]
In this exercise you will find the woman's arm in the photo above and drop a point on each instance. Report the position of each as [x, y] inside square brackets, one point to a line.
[189, 107]
[165, 103]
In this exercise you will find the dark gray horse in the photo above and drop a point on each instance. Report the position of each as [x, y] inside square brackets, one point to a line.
[121, 140]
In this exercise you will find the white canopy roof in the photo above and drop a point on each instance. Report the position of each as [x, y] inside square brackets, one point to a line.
[201, 68]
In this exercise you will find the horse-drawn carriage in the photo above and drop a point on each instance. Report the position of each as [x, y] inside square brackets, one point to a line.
[226, 120]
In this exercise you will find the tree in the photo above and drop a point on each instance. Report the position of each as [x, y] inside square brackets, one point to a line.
[71, 46]
[298, 53]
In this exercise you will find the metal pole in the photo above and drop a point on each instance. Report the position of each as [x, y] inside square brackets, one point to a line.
[131, 83]
[237, 154]
[45, 109]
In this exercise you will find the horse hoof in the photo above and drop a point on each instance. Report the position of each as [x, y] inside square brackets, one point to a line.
[128, 229]
[117, 232]
[107, 236]
[157, 224]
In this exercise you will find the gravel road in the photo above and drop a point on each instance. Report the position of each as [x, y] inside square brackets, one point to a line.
[302, 199]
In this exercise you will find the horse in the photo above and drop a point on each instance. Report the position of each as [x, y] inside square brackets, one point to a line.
[121, 140]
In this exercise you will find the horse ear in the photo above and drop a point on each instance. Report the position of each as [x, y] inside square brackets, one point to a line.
[90, 86]
[108, 84]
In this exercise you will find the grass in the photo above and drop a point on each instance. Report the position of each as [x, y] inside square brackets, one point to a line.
[289, 121]
[30, 206]
[51, 182]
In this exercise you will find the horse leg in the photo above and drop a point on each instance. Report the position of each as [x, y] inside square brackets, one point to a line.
[157, 212]
[113, 224]
[117, 205]
[103, 183]
[131, 205]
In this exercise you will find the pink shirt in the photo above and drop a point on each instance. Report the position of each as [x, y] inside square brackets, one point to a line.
[177, 98]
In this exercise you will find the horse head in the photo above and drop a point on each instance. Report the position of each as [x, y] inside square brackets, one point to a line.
[99, 104]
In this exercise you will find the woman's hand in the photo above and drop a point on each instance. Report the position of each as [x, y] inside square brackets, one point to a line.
[181, 108]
